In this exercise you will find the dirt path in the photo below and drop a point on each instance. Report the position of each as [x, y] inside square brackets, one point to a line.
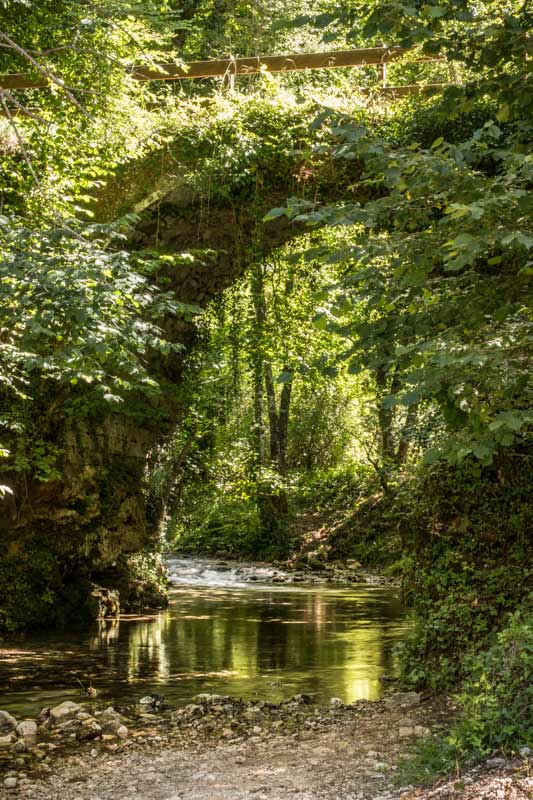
[354, 758]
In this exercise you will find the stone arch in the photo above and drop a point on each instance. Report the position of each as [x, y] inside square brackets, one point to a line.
[86, 524]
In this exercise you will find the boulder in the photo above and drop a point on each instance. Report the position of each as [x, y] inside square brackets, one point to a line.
[7, 722]
[44, 715]
[27, 728]
[64, 711]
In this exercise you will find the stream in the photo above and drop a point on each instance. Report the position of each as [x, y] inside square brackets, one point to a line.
[229, 629]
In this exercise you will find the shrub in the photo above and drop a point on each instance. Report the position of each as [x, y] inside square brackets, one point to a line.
[497, 697]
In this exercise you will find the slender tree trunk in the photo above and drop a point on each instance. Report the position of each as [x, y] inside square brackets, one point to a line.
[258, 410]
[273, 417]
[257, 363]
[385, 418]
[235, 344]
[283, 423]
[171, 481]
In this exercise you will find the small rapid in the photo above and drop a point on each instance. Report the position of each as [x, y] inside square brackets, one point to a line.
[206, 572]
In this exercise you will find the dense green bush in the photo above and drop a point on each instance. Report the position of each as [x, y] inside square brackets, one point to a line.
[468, 561]
[219, 526]
[496, 707]
[497, 697]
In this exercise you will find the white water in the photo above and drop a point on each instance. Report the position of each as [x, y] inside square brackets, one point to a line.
[204, 572]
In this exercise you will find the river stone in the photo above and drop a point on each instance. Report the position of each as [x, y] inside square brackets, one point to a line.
[65, 710]
[299, 699]
[404, 732]
[27, 728]
[336, 702]
[7, 739]
[403, 700]
[89, 730]
[10, 783]
[19, 746]
[7, 722]
[113, 726]
[193, 710]
[122, 732]
[210, 699]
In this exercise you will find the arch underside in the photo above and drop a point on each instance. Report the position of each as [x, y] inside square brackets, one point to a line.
[97, 515]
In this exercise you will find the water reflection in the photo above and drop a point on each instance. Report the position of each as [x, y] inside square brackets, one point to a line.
[242, 640]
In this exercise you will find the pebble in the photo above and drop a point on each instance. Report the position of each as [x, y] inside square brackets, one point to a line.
[336, 702]
[10, 783]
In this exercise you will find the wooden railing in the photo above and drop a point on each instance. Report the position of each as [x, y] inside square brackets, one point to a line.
[232, 67]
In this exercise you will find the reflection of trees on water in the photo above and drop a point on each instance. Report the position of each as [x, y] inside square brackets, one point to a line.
[318, 637]
[239, 641]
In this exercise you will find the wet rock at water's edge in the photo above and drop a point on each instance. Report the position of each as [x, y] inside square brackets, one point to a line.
[64, 710]
[7, 722]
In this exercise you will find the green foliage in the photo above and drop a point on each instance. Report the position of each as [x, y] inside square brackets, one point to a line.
[496, 700]
[28, 595]
[223, 527]
[83, 312]
[141, 580]
[361, 521]
[467, 564]
[79, 322]
[495, 708]
[434, 299]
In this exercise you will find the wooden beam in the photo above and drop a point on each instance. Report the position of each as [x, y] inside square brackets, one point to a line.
[362, 57]
[21, 81]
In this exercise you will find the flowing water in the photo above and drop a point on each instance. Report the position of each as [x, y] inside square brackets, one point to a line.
[227, 630]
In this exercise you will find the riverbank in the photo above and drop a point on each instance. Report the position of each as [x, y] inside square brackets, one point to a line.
[223, 749]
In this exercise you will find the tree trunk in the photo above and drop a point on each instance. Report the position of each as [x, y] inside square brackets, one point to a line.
[406, 435]
[385, 418]
[273, 418]
[257, 363]
[283, 426]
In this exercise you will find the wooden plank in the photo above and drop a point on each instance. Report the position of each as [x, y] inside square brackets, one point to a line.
[21, 81]
[368, 56]
[362, 57]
